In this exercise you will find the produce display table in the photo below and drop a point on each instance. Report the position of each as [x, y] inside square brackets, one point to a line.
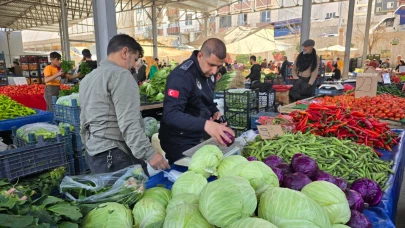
[383, 215]
[41, 116]
[32, 101]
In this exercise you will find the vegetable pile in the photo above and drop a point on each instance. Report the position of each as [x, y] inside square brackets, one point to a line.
[341, 158]
[11, 109]
[384, 106]
[333, 121]
[154, 90]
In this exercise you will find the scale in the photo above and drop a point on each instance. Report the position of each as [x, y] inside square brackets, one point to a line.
[331, 89]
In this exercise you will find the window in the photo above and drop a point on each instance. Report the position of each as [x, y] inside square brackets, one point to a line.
[378, 9]
[265, 16]
[390, 5]
[225, 21]
[242, 19]
[189, 19]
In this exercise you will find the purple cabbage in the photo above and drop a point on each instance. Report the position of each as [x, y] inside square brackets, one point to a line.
[286, 168]
[370, 191]
[279, 174]
[355, 200]
[252, 158]
[342, 183]
[358, 220]
[273, 161]
[296, 181]
[230, 137]
[324, 176]
[306, 165]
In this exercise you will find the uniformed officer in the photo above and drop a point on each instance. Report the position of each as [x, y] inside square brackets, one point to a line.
[188, 107]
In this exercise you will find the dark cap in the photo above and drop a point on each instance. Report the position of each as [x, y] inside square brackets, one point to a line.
[308, 43]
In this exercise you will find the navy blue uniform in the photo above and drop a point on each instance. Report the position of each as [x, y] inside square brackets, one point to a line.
[188, 104]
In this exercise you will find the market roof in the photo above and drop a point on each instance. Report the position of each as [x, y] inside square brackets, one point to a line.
[44, 15]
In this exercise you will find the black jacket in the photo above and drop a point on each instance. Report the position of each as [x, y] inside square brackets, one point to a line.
[188, 104]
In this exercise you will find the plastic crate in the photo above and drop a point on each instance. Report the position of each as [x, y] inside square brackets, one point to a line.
[239, 119]
[32, 159]
[218, 95]
[267, 101]
[81, 166]
[66, 114]
[20, 142]
[254, 118]
[241, 99]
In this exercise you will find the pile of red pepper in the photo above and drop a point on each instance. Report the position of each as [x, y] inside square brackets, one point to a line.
[333, 121]
[21, 90]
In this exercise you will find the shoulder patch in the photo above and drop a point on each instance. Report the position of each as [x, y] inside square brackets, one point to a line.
[187, 64]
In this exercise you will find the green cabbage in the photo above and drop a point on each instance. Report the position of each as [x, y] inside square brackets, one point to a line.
[260, 176]
[228, 163]
[226, 200]
[331, 198]
[148, 213]
[189, 182]
[205, 161]
[159, 194]
[251, 222]
[186, 198]
[151, 126]
[185, 216]
[108, 215]
[288, 208]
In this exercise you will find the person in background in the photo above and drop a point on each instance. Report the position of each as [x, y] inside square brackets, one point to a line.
[401, 63]
[374, 63]
[386, 64]
[264, 64]
[17, 70]
[153, 69]
[92, 64]
[235, 65]
[284, 66]
[189, 109]
[255, 72]
[52, 77]
[340, 64]
[112, 127]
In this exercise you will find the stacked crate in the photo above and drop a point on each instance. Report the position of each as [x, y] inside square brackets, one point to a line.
[239, 105]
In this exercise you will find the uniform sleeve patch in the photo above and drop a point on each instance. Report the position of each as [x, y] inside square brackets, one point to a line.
[187, 65]
[173, 93]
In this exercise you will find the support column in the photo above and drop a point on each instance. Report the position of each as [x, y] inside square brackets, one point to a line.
[206, 30]
[154, 30]
[305, 21]
[105, 25]
[62, 45]
[349, 32]
[65, 37]
[366, 33]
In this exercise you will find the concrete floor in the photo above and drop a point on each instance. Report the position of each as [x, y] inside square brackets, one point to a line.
[400, 223]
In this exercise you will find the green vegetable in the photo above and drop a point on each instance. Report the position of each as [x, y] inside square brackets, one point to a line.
[161, 195]
[228, 163]
[341, 158]
[287, 208]
[186, 198]
[185, 216]
[148, 213]
[10, 109]
[226, 200]
[260, 176]
[331, 198]
[67, 65]
[108, 215]
[206, 160]
[155, 89]
[252, 222]
[189, 182]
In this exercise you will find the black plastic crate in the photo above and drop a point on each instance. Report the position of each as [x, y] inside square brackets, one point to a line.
[67, 114]
[20, 142]
[267, 101]
[81, 166]
[234, 99]
[32, 159]
[239, 119]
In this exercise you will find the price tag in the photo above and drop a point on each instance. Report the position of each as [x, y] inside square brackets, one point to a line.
[401, 69]
[366, 85]
[270, 131]
[387, 78]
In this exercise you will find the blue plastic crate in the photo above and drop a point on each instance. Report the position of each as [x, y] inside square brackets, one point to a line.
[81, 166]
[255, 118]
[32, 159]
[41, 116]
[66, 114]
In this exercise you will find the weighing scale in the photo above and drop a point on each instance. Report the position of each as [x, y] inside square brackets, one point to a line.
[331, 89]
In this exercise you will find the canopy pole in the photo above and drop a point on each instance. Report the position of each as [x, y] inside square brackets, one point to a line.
[305, 21]
[349, 32]
[154, 30]
[105, 25]
[65, 25]
[366, 33]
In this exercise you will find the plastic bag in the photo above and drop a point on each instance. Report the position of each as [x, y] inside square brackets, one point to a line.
[48, 131]
[150, 126]
[125, 186]
[63, 125]
[67, 100]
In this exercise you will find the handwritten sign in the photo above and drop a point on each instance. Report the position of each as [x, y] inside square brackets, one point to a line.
[387, 78]
[366, 85]
[270, 131]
